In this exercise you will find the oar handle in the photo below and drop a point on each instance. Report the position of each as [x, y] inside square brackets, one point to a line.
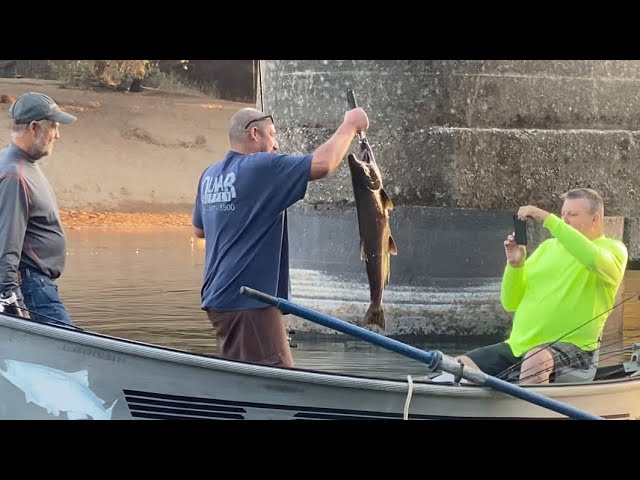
[263, 297]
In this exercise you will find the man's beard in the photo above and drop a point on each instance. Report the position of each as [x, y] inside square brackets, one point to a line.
[38, 149]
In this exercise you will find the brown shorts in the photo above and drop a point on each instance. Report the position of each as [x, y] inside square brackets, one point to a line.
[253, 336]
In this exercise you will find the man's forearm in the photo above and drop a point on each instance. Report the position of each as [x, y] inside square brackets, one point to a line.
[512, 287]
[9, 275]
[607, 264]
[328, 156]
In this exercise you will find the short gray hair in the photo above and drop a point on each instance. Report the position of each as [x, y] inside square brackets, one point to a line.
[18, 129]
[238, 123]
[596, 204]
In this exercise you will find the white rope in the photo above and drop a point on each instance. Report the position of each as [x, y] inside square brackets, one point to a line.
[408, 400]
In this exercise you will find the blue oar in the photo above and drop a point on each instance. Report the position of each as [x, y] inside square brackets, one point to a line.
[434, 359]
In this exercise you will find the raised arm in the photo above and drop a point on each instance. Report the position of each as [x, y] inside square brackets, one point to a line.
[609, 264]
[514, 278]
[328, 156]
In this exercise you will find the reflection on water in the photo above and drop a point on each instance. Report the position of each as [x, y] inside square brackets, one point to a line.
[146, 287]
[141, 286]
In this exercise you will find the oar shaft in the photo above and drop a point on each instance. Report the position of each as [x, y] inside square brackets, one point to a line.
[541, 400]
[433, 359]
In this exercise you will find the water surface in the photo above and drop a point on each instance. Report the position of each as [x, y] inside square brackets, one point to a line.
[145, 286]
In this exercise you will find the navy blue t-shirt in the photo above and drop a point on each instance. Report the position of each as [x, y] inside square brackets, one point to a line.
[241, 206]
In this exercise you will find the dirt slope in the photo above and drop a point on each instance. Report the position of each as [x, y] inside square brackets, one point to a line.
[135, 153]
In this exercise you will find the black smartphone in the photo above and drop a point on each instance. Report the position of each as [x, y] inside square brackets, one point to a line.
[520, 229]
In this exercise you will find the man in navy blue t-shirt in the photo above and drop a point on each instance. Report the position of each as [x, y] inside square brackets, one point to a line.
[240, 210]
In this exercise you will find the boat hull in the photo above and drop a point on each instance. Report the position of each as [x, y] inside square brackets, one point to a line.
[51, 372]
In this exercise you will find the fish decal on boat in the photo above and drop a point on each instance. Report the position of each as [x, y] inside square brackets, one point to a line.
[57, 391]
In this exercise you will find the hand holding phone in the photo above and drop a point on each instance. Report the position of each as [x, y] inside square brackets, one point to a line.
[520, 230]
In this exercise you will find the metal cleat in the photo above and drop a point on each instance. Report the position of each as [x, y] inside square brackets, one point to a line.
[633, 365]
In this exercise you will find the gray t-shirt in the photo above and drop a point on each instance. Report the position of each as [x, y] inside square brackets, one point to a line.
[31, 233]
[241, 205]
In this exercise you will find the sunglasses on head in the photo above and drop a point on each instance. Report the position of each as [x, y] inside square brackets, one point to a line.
[259, 119]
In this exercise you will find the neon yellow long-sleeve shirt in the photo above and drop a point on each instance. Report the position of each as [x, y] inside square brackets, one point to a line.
[562, 286]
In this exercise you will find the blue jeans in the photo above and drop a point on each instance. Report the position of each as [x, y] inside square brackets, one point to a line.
[40, 296]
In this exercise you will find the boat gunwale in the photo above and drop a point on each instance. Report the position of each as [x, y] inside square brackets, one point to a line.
[419, 386]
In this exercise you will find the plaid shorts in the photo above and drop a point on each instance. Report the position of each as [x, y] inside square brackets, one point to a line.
[497, 360]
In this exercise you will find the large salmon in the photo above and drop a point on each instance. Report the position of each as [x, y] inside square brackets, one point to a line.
[376, 243]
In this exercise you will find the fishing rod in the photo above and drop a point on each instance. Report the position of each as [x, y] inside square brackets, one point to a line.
[435, 360]
[629, 349]
[602, 357]
[603, 376]
[18, 314]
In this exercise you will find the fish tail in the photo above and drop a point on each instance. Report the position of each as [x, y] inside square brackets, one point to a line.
[375, 316]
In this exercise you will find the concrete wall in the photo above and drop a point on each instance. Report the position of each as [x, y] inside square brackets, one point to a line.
[445, 280]
[461, 145]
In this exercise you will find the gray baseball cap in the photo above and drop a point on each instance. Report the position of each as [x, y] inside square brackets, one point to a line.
[34, 106]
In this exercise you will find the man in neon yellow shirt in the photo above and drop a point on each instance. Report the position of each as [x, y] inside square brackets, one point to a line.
[562, 294]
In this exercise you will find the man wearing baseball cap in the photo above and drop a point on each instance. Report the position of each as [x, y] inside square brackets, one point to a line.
[32, 240]
[33, 106]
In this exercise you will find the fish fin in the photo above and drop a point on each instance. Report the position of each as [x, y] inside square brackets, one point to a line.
[110, 409]
[363, 256]
[49, 409]
[375, 316]
[393, 249]
[387, 277]
[387, 204]
[107, 414]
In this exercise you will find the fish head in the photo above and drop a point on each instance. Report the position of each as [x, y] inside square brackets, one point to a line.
[364, 172]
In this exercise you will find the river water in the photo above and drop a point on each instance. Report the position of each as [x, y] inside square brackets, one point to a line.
[145, 286]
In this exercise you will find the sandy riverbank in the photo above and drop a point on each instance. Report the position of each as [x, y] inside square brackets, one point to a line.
[76, 220]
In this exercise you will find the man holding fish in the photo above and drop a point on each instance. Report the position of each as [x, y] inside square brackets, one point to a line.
[241, 212]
